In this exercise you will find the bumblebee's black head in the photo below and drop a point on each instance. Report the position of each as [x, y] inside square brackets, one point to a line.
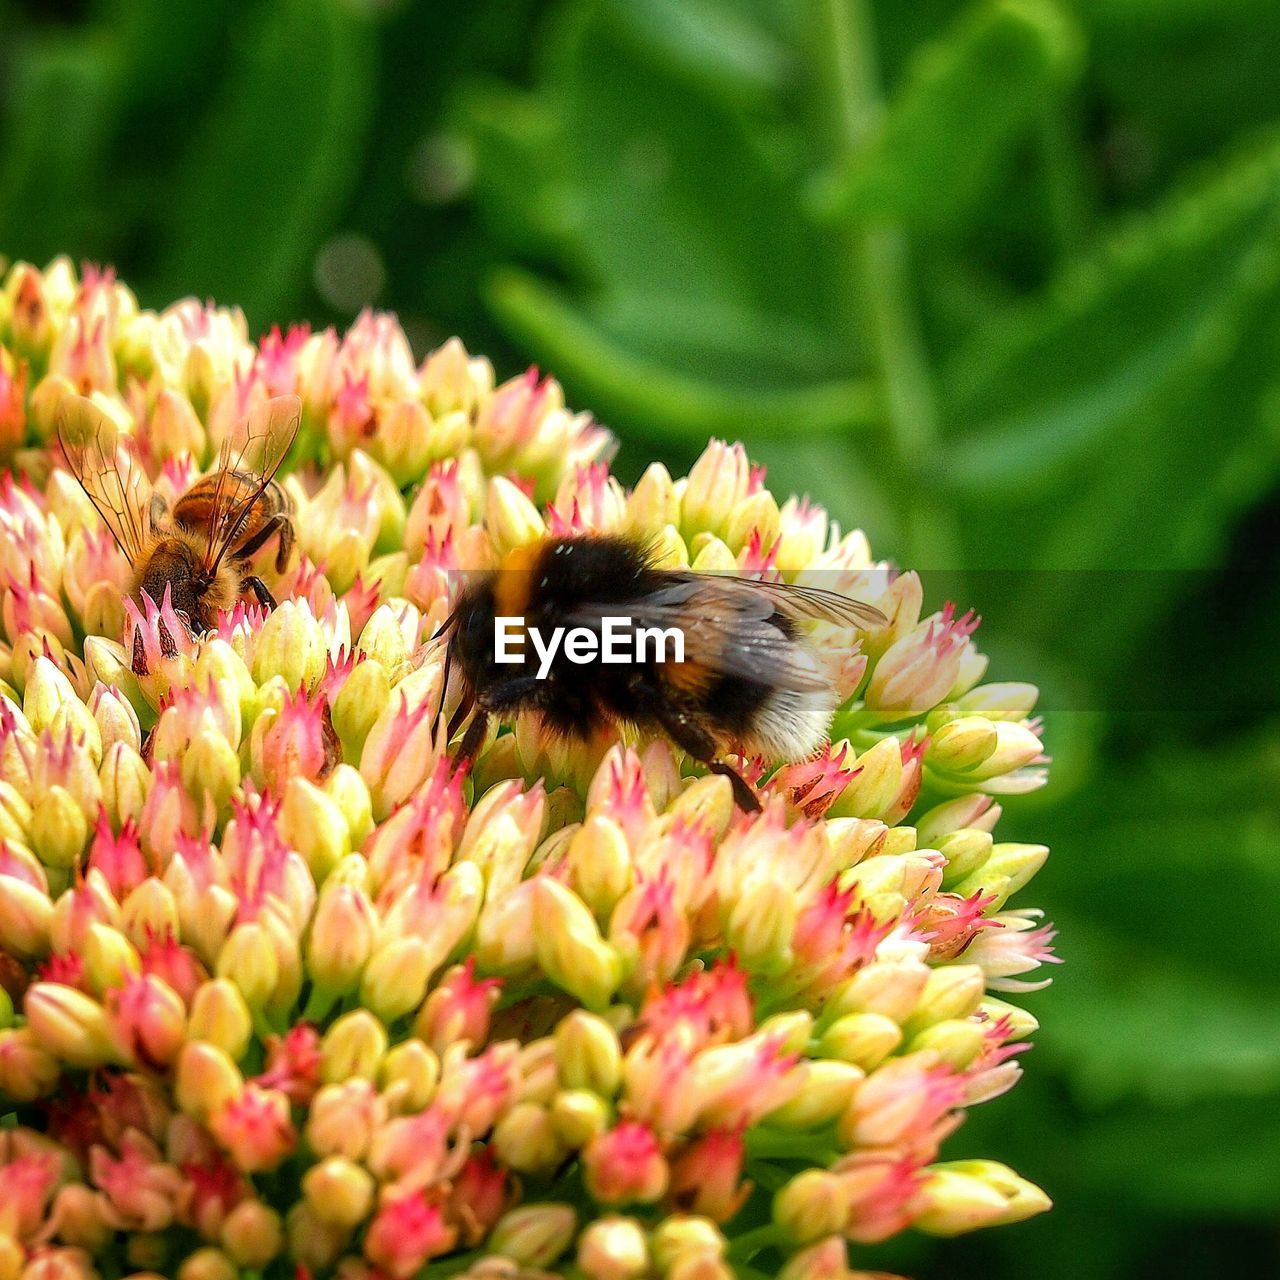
[471, 636]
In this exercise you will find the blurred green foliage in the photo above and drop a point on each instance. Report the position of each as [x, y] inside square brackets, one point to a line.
[998, 280]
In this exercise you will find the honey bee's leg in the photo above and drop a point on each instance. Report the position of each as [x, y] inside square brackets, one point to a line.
[251, 582]
[689, 736]
[280, 524]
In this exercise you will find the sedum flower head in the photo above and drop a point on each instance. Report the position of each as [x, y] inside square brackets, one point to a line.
[282, 988]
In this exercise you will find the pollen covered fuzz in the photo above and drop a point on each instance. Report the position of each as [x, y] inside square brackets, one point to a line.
[282, 991]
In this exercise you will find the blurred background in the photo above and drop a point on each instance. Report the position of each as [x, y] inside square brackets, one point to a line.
[999, 282]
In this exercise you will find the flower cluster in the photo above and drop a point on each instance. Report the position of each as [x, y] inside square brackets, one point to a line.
[282, 990]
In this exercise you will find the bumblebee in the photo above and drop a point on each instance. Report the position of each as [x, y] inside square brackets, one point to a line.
[747, 681]
[201, 550]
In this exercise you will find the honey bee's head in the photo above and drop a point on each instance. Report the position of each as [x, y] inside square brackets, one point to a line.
[177, 566]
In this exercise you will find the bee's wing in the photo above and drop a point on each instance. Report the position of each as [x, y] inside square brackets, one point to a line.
[816, 604]
[256, 448]
[107, 472]
[728, 628]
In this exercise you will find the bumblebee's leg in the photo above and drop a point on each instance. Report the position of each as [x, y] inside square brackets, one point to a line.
[746, 799]
[472, 741]
[252, 582]
[276, 524]
[690, 736]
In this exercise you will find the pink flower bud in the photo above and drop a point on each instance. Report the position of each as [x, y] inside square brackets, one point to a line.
[299, 742]
[706, 1177]
[27, 1183]
[147, 1020]
[458, 1009]
[141, 1190]
[917, 671]
[407, 1232]
[255, 1128]
[625, 1165]
[480, 1191]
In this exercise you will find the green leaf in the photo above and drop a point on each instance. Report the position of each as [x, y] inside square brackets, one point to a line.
[965, 101]
[278, 156]
[64, 103]
[612, 378]
[1161, 305]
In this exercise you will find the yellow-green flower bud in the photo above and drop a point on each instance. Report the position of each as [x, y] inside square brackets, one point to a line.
[339, 1191]
[347, 789]
[613, 1248]
[249, 960]
[1006, 700]
[341, 939]
[205, 1079]
[291, 646]
[150, 911]
[525, 1139]
[208, 1264]
[344, 1117]
[654, 502]
[871, 793]
[110, 959]
[534, 1235]
[252, 1234]
[961, 746]
[813, 1204]
[59, 829]
[409, 1075]
[396, 976]
[364, 696]
[125, 781]
[966, 851]
[1008, 868]
[829, 1088]
[956, 1041]
[578, 1115]
[863, 1039]
[718, 483]
[599, 862]
[27, 1069]
[569, 947]
[25, 917]
[952, 991]
[967, 1194]
[354, 1046]
[220, 1016]
[511, 518]
[760, 927]
[588, 1055]
[69, 1025]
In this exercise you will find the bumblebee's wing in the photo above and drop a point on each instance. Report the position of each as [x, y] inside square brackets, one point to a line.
[107, 472]
[256, 449]
[728, 628]
[816, 604]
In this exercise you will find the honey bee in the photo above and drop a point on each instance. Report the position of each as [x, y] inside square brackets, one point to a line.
[201, 550]
[747, 681]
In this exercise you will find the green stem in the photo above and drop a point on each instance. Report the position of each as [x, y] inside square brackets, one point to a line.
[750, 1243]
[877, 282]
[319, 1003]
